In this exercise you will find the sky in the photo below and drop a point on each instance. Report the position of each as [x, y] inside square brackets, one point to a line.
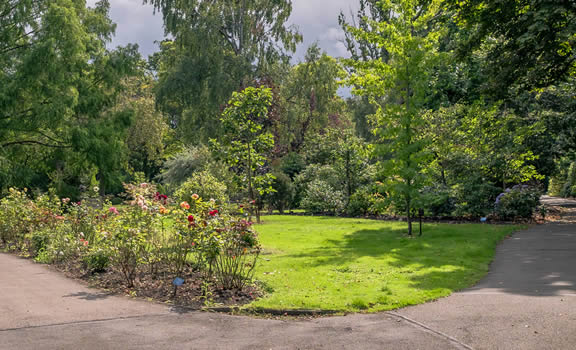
[317, 20]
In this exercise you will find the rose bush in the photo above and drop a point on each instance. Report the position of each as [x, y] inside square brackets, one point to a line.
[151, 236]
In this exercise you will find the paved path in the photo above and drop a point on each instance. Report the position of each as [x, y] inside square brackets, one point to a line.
[528, 301]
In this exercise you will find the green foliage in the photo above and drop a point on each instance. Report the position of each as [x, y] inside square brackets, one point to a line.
[316, 172]
[321, 197]
[438, 200]
[292, 164]
[361, 203]
[569, 189]
[58, 83]
[399, 87]
[468, 162]
[190, 160]
[564, 184]
[96, 260]
[247, 142]
[368, 15]
[284, 192]
[146, 237]
[475, 197]
[529, 44]
[204, 185]
[218, 46]
[309, 100]
[518, 202]
[340, 158]
[39, 241]
[237, 256]
[149, 138]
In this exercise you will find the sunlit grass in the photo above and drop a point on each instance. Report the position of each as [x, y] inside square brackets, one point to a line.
[355, 264]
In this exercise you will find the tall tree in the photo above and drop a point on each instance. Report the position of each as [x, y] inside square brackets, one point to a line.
[310, 100]
[57, 80]
[248, 142]
[404, 81]
[528, 43]
[366, 18]
[218, 47]
[149, 138]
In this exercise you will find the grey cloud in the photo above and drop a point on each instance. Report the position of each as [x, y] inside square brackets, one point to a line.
[317, 20]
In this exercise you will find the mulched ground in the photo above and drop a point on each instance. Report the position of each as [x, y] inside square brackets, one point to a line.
[196, 292]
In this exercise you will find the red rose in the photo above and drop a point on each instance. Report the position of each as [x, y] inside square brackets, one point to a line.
[190, 219]
[213, 212]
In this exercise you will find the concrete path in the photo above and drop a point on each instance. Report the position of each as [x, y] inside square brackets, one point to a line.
[528, 299]
[526, 302]
[41, 309]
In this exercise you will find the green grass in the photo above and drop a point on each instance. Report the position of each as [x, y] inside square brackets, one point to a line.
[363, 265]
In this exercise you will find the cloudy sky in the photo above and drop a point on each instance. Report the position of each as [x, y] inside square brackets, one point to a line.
[317, 20]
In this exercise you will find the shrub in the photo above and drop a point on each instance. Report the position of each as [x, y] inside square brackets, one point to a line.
[284, 192]
[325, 173]
[569, 188]
[205, 185]
[237, 255]
[64, 245]
[361, 203]
[97, 260]
[151, 232]
[129, 232]
[320, 197]
[128, 243]
[292, 164]
[517, 202]
[475, 197]
[39, 241]
[556, 186]
[189, 161]
[438, 200]
[15, 217]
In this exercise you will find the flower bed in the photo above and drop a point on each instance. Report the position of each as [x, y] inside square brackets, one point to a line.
[190, 253]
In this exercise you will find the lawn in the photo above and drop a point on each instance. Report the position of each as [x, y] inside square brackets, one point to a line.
[365, 265]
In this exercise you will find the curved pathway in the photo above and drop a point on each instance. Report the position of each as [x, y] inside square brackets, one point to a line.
[527, 301]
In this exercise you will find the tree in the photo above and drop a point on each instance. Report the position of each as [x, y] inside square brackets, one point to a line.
[368, 15]
[404, 80]
[58, 83]
[529, 44]
[218, 47]
[247, 140]
[346, 154]
[362, 49]
[149, 138]
[310, 100]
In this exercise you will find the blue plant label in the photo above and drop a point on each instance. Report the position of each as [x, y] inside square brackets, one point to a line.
[178, 281]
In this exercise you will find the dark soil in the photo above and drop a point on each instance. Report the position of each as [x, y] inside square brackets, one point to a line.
[196, 292]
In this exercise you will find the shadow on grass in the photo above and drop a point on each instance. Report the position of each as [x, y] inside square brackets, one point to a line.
[457, 257]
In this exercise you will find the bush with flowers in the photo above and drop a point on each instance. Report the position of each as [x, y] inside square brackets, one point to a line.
[152, 239]
[519, 201]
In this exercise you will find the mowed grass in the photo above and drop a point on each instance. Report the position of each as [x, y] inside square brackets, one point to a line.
[365, 265]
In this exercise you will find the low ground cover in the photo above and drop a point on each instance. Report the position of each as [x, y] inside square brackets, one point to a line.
[355, 264]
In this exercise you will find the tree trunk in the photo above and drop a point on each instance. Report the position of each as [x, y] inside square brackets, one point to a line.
[348, 178]
[408, 215]
[250, 191]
